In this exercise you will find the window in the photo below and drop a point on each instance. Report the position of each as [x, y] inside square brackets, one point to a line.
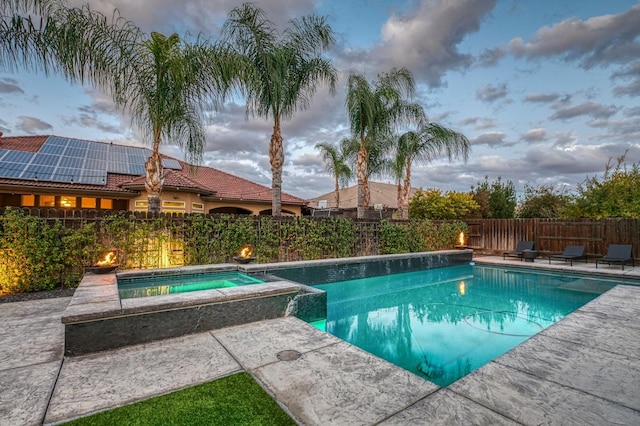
[28, 201]
[88, 203]
[67, 202]
[197, 207]
[47, 201]
[174, 204]
[106, 203]
[142, 204]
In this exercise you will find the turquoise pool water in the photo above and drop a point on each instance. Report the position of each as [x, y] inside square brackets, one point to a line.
[170, 284]
[444, 323]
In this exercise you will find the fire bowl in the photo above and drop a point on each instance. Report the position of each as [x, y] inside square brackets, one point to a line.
[101, 269]
[243, 260]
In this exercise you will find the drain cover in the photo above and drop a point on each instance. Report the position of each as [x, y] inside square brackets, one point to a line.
[288, 355]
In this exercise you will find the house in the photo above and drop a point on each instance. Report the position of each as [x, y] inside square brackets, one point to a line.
[66, 173]
[383, 196]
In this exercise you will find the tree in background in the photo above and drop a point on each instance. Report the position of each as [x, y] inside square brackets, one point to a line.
[427, 143]
[497, 200]
[543, 201]
[171, 85]
[616, 194]
[280, 75]
[375, 110]
[336, 162]
[432, 204]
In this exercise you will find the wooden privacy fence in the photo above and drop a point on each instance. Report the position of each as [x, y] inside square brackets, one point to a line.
[552, 235]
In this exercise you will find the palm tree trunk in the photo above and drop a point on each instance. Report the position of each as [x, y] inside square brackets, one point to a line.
[154, 181]
[337, 192]
[276, 157]
[399, 199]
[405, 191]
[362, 178]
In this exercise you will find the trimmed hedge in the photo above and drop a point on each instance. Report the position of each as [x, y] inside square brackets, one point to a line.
[41, 254]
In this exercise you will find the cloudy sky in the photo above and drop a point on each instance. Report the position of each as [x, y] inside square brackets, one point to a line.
[546, 91]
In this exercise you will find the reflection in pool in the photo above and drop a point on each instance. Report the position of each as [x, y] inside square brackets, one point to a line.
[444, 323]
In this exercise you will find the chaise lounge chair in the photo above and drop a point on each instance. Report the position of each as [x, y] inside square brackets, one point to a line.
[520, 247]
[617, 253]
[570, 253]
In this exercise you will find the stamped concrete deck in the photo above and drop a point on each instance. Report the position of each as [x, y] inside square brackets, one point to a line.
[583, 370]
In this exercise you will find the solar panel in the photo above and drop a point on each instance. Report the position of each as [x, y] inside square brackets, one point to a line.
[78, 161]
[136, 169]
[45, 159]
[72, 162]
[54, 149]
[117, 167]
[65, 174]
[168, 163]
[93, 177]
[75, 152]
[97, 152]
[37, 172]
[11, 169]
[18, 157]
[56, 141]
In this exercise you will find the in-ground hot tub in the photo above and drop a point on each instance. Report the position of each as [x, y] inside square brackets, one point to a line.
[98, 318]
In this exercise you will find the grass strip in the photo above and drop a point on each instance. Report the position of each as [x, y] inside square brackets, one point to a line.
[232, 400]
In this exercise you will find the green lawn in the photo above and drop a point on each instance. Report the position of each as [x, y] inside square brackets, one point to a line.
[232, 400]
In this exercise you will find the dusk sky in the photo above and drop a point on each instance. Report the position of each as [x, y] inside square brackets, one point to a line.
[547, 91]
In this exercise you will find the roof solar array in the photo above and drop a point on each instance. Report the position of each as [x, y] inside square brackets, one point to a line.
[76, 161]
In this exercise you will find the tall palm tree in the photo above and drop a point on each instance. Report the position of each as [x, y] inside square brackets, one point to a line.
[281, 73]
[428, 142]
[335, 161]
[375, 111]
[167, 91]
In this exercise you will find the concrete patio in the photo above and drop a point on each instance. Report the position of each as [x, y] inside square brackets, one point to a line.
[583, 370]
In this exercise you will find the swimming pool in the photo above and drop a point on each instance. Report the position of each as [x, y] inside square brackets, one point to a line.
[156, 285]
[444, 323]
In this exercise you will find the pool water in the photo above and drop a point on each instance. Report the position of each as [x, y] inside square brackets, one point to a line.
[170, 284]
[442, 324]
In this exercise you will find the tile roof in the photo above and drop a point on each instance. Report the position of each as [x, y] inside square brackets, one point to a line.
[172, 179]
[228, 186]
[22, 143]
[204, 180]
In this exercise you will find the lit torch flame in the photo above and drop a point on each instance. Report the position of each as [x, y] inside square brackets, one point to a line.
[461, 238]
[109, 259]
[245, 252]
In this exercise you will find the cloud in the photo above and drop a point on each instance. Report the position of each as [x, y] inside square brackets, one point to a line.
[196, 16]
[479, 123]
[592, 109]
[632, 71]
[491, 139]
[426, 38]
[600, 40]
[491, 93]
[32, 125]
[542, 97]
[491, 57]
[535, 135]
[10, 86]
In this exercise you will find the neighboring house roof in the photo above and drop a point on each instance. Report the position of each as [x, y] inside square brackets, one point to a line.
[74, 164]
[381, 193]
